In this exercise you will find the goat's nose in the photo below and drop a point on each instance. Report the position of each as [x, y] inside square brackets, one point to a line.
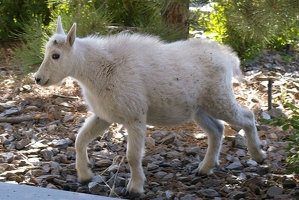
[37, 80]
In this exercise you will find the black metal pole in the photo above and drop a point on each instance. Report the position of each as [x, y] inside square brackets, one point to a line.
[270, 94]
[288, 47]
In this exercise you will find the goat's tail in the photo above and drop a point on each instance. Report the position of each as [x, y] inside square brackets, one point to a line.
[236, 69]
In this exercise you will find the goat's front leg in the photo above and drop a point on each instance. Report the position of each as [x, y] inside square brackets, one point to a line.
[135, 151]
[92, 128]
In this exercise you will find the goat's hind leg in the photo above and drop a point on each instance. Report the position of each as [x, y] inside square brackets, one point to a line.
[92, 128]
[245, 119]
[234, 114]
[214, 129]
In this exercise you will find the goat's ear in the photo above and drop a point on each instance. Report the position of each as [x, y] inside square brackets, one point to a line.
[59, 28]
[71, 36]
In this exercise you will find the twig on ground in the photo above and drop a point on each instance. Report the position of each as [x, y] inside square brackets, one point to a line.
[19, 119]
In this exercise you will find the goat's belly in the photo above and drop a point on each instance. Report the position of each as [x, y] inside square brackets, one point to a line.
[168, 116]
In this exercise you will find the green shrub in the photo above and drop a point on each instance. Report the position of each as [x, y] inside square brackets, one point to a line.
[96, 17]
[16, 11]
[250, 26]
[291, 124]
[31, 50]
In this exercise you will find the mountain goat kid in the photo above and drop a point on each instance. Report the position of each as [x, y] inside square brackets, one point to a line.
[135, 80]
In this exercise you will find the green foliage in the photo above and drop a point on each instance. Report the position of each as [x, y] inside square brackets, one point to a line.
[291, 124]
[29, 51]
[249, 26]
[13, 12]
[89, 18]
[33, 39]
[94, 17]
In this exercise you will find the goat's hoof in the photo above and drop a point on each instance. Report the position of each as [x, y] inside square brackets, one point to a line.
[86, 178]
[84, 181]
[132, 195]
[261, 158]
[200, 174]
[204, 171]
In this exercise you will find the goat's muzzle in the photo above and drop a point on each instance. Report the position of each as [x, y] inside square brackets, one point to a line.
[37, 80]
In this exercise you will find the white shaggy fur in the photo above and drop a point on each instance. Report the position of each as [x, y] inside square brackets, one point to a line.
[137, 80]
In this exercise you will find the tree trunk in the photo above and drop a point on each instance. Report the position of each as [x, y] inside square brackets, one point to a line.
[175, 14]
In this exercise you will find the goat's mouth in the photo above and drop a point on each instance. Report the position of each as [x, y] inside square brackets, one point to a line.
[43, 84]
[46, 82]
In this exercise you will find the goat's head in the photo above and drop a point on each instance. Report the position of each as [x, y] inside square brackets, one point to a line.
[58, 57]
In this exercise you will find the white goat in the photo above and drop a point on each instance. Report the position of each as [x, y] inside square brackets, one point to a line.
[135, 80]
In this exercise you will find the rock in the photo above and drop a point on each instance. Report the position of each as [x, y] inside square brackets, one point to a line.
[276, 113]
[150, 142]
[200, 136]
[274, 191]
[273, 136]
[11, 111]
[283, 197]
[183, 178]
[103, 163]
[188, 197]
[152, 166]
[196, 180]
[265, 116]
[169, 176]
[52, 128]
[62, 143]
[99, 179]
[169, 139]
[160, 175]
[8, 157]
[251, 162]
[55, 168]
[230, 157]
[54, 112]
[59, 181]
[71, 178]
[58, 100]
[208, 193]
[212, 183]
[268, 65]
[38, 145]
[51, 186]
[22, 143]
[38, 103]
[95, 188]
[113, 168]
[240, 140]
[168, 194]
[192, 150]
[238, 195]
[8, 105]
[26, 87]
[235, 165]
[26, 102]
[240, 153]
[112, 147]
[38, 172]
[118, 181]
[68, 118]
[172, 154]
[47, 154]
[288, 183]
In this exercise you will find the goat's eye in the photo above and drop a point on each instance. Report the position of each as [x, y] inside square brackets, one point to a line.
[55, 56]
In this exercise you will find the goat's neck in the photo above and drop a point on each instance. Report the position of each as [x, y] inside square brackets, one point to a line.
[89, 64]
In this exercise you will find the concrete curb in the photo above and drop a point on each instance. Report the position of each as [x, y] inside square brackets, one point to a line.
[22, 192]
